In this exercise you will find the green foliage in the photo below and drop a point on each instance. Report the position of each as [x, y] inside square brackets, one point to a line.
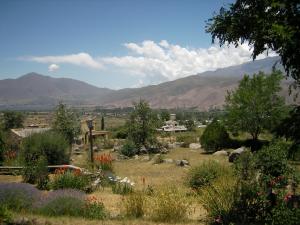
[69, 179]
[218, 199]
[282, 215]
[255, 105]
[63, 206]
[187, 139]
[120, 132]
[190, 125]
[205, 173]
[12, 119]
[5, 215]
[263, 25]
[165, 115]
[66, 123]
[214, 137]
[134, 205]
[290, 129]
[94, 210]
[121, 188]
[129, 149]
[2, 146]
[50, 144]
[142, 125]
[168, 204]
[272, 160]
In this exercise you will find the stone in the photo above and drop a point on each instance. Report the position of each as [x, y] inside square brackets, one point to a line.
[236, 153]
[182, 162]
[171, 145]
[95, 148]
[194, 146]
[136, 157]
[164, 150]
[221, 153]
[145, 158]
[168, 161]
[143, 150]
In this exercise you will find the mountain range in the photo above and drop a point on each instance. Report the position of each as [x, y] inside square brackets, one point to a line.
[202, 91]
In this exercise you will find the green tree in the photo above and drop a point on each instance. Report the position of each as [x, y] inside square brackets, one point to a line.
[165, 115]
[255, 105]
[264, 25]
[12, 119]
[65, 122]
[142, 125]
[214, 137]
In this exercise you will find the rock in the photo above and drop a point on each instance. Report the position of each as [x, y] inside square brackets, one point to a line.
[136, 157]
[164, 151]
[95, 148]
[117, 148]
[194, 146]
[235, 154]
[182, 162]
[168, 161]
[178, 144]
[171, 145]
[76, 149]
[145, 158]
[221, 153]
[143, 150]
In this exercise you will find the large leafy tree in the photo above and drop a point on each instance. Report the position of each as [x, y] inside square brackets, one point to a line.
[66, 123]
[142, 125]
[12, 119]
[264, 24]
[255, 105]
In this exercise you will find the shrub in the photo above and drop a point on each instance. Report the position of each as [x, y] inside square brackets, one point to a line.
[187, 139]
[129, 149]
[18, 196]
[134, 205]
[50, 144]
[68, 179]
[168, 204]
[214, 137]
[218, 199]
[70, 202]
[205, 173]
[5, 215]
[282, 215]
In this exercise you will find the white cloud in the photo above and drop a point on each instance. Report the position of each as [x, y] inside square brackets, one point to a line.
[53, 67]
[80, 59]
[169, 61]
[152, 62]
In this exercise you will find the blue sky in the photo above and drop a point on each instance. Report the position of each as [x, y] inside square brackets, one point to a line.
[111, 43]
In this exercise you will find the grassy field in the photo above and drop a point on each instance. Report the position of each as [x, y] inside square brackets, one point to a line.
[155, 175]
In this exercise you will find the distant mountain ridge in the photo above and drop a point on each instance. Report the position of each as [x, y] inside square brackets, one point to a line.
[201, 91]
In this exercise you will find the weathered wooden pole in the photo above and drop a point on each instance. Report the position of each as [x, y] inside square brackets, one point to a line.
[90, 126]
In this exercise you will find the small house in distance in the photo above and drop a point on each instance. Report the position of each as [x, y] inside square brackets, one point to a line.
[172, 125]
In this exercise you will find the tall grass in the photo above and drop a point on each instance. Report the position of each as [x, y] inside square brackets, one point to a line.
[168, 204]
[134, 205]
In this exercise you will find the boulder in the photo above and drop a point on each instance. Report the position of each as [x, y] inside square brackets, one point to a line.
[164, 150]
[171, 145]
[221, 153]
[143, 150]
[168, 161]
[136, 157]
[194, 146]
[236, 153]
[145, 158]
[182, 162]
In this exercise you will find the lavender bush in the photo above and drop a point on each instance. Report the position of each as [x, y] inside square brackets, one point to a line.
[18, 196]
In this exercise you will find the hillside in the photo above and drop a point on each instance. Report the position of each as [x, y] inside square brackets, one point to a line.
[202, 91]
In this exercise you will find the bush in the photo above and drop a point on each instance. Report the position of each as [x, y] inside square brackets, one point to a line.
[282, 215]
[187, 139]
[70, 202]
[218, 199]
[50, 144]
[5, 215]
[129, 149]
[168, 204]
[134, 205]
[68, 179]
[18, 196]
[214, 137]
[205, 174]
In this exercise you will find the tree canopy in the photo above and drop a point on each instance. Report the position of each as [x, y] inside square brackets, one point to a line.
[66, 123]
[255, 105]
[12, 119]
[142, 125]
[265, 25]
